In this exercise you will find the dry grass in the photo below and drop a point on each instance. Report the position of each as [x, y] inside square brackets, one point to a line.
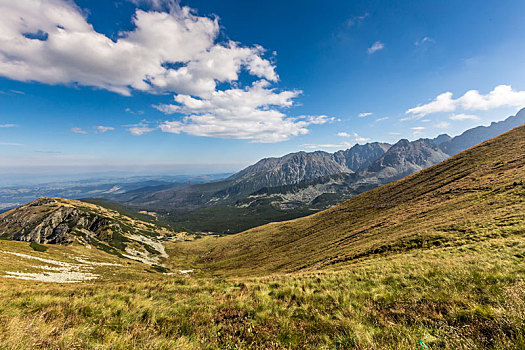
[438, 257]
[451, 298]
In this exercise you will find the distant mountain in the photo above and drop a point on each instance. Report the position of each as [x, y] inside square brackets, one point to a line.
[360, 156]
[479, 134]
[63, 221]
[289, 169]
[402, 159]
[296, 184]
[474, 197]
[269, 172]
[441, 139]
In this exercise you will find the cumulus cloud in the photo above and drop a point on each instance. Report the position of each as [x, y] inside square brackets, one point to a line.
[365, 114]
[77, 130]
[463, 116]
[156, 4]
[170, 49]
[45, 41]
[355, 136]
[250, 113]
[102, 129]
[378, 45]
[418, 128]
[472, 100]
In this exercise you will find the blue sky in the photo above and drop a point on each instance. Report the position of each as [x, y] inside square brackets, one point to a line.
[217, 85]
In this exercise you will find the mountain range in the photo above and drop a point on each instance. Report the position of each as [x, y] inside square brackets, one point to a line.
[297, 184]
[435, 258]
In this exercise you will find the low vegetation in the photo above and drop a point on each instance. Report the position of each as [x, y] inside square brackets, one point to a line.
[471, 297]
[436, 260]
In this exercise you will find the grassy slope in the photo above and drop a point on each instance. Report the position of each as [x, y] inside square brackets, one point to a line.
[476, 195]
[471, 297]
[462, 288]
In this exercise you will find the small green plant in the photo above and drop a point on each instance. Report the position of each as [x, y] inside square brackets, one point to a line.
[38, 247]
[159, 268]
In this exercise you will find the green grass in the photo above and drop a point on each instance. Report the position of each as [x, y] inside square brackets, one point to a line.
[38, 247]
[437, 257]
[471, 297]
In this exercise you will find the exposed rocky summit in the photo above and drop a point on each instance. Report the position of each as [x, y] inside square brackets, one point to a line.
[289, 169]
[404, 158]
[60, 221]
[361, 156]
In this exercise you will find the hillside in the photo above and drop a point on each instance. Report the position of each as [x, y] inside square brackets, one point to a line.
[434, 260]
[473, 196]
[61, 221]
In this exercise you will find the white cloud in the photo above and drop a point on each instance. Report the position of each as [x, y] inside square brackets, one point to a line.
[8, 125]
[500, 96]
[102, 129]
[418, 128]
[443, 125]
[355, 136]
[10, 144]
[378, 45]
[130, 111]
[394, 133]
[463, 116]
[329, 145]
[360, 139]
[139, 129]
[251, 113]
[78, 131]
[365, 114]
[140, 59]
[381, 119]
[156, 4]
[425, 39]
[170, 49]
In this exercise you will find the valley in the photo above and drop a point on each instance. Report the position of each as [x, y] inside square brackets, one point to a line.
[297, 184]
[437, 258]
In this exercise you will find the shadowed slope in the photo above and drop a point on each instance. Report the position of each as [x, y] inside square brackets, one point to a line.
[474, 195]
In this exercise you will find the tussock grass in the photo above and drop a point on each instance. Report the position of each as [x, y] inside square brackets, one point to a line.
[438, 257]
[472, 297]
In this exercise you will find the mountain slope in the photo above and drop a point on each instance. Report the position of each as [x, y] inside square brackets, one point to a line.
[361, 156]
[472, 196]
[479, 134]
[402, 159]
[291, 168]
[60, 221]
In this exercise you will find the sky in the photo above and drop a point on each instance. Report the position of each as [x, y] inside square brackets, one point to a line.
[211, 86]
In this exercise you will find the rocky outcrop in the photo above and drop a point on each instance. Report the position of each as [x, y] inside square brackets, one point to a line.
[61, 221]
